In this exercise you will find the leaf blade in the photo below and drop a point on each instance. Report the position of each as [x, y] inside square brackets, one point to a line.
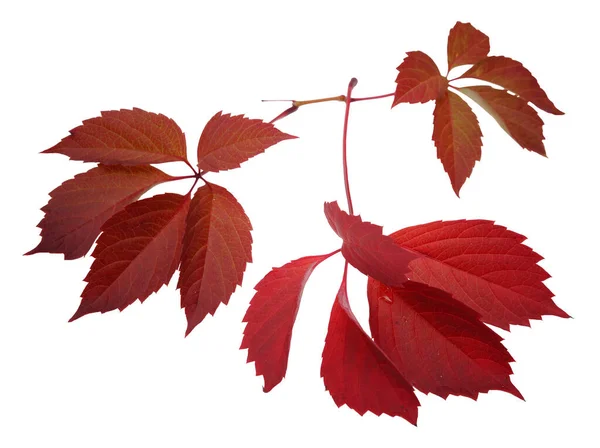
[457, 137]
[217, 246]
[138, 252]
[271, 316]
[418, 80]
[483, 265]
[513, 76]
[78, 208]
[466, 45]
[124, 137]
[356, 372]
[438, 344]
[228, 141]
[367, 249]
[513, 114]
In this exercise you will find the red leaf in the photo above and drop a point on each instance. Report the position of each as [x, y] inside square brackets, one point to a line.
[271, 316]
[357, 373]
[125, 137]
[512, 113]
[137, 253]
[484, 266]
[438, 344]
[228, 141]
[511, 75]
[466, 45]
[367, 249]
[419, 79]
[216, 247]
[457, 137]
[78, 208]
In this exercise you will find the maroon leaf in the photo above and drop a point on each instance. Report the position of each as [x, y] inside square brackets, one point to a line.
[357, 373]
[125, 137]
[511, 75]
[457, 137]
[227, 141]
[271, 316]
[137, 252]
[438, 344]
[482, 265]
[419, 80]
[367, 249]
[216, 248]
[78, 208]
[466, 45]
[512, 113]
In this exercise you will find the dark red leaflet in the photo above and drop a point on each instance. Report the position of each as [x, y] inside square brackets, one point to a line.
[271, 316]
[138, 252]
[356, 372]
[78, 208]
[438, 344]
[217, 245]
[367, 249]
[483, 265]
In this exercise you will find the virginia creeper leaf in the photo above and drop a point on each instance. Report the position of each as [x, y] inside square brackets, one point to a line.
[438, 344]
[367, 249]
[419, 79]
[125, 137]
[217, 246]
[227, 141]
[482, 265]
[457, 137]
[78, 208]
[138, 252]
[512, 113]
[466, 45]
[511, 75]
[356, 372]
[271, 315]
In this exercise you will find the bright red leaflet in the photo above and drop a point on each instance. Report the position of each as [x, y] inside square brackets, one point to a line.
[482, 265]
[367, 249]
[125, 137]
[466, 45]
[271, 315]
[438, 344]
[457, 137]
[217, 245]
[511, 75]
[78, 208]
[356, 372]
[512, 113]
[419, 80]
[227, 141]
[138, 252]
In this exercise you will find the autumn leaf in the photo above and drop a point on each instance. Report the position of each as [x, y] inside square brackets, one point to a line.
[217, 246]
[227, 141]
[138, 252]
[356, 372]
[125, 137]
[466, 45]
[78, 208]
[512, 113]
[271, 315]
[511, 75]
[419, 80]
[457, 137]
[438, 344]
[484, 266]
[367, 249]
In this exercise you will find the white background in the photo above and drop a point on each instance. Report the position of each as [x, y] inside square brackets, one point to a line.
[131, 379]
